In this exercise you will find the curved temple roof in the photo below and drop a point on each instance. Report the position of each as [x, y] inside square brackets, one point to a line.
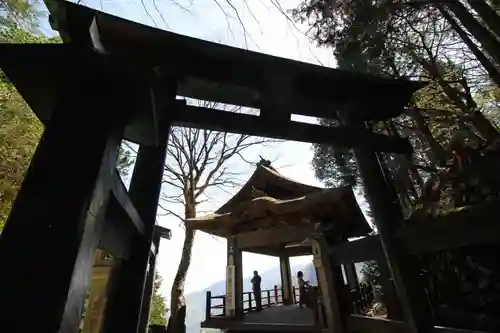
[270, 200]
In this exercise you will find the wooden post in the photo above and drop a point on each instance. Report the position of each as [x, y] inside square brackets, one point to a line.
[352, 285]
[286, 279]
[276, 294]
[48, 243]
[250, 302]
[388, 218]
[235, 258]
[268, 292]
[208, 305]
[390, 296]
[327, 281]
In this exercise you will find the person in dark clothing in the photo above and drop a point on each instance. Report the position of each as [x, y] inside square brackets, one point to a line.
[303, 285]
[256, 280]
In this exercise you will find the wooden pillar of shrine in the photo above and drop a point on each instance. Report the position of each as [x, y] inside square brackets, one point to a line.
[388, 218]
[234, 279]
[331, 286]
[286, 280]
[48, 243]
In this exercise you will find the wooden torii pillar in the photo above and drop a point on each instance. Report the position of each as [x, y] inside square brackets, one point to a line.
[53, 229]
[388, 217]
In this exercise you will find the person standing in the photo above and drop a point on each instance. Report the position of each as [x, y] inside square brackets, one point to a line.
[302, 289]
[257, 294]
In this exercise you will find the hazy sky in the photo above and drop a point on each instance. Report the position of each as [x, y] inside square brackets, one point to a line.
[268, 31]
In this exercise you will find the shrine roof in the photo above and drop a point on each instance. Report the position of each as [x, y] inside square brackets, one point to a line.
[295, 204]
[267, 182]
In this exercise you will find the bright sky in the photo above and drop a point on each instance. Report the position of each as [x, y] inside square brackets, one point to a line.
[271, 34]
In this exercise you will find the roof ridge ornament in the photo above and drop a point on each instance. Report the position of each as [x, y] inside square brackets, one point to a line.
[266, 163]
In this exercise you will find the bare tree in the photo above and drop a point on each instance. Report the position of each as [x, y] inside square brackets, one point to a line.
[198, 163]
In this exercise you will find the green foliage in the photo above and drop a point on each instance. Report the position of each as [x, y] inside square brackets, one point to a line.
[18, 13]
[158, 310]
[448, 124]
[125, 160]
[20, 129]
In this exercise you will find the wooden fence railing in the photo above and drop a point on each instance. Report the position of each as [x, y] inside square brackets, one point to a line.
[216, 305]
[269, 297]
[360, 298]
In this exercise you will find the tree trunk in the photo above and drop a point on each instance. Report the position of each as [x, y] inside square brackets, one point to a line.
[469, 109]
[437, 155]
[493, 72]
[480, 33]
[487, 14]
[177, 320]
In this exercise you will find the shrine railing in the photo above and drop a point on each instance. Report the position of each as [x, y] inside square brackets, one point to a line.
[269, 297]
[216, 305]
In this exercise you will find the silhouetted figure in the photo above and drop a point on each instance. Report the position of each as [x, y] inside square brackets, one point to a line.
[302, 289]
[257, 294]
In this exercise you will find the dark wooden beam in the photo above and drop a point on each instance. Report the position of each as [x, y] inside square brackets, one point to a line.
[163, 232]
[56, 220]
[206, 118]
[230, 66]
[273, 236]
[122, 197]
[117, 231]
[128, 279]
[364, 249]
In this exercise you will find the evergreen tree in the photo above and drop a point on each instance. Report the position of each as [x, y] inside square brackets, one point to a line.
[158, 310]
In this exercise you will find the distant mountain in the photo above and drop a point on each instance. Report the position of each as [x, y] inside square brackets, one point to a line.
[196, 301]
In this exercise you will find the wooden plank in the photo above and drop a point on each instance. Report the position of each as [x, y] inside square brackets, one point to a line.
[364, 249]
[440, 329]
[362, 324]
[207, 118]
[274, 236]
